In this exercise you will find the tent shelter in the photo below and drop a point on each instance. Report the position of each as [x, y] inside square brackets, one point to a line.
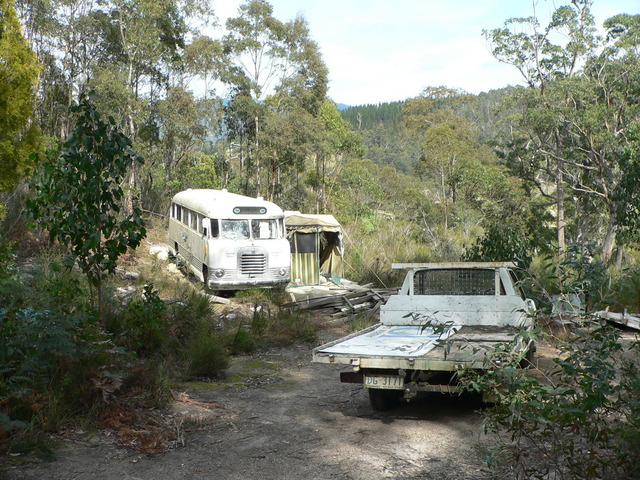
[316, 248]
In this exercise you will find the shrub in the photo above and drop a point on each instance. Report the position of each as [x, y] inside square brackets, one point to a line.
[205, 352]
[143, 326]
[51, 362]
[502, 242]
[242, 341]
[625, 285]
[577, 420]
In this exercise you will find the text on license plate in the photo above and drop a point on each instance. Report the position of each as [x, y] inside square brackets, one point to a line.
[392, 382]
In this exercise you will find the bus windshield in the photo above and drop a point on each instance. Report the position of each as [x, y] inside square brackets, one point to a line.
[264, 229]
[235, 229]
[261, 229]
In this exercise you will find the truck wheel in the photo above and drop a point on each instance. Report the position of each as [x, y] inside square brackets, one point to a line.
[382, 400]
[529, 357]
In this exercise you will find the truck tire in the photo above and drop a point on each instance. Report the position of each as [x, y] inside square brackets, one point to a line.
[382, 400]
[530, 357]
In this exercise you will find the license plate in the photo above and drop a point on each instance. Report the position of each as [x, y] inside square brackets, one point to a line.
[391, 382]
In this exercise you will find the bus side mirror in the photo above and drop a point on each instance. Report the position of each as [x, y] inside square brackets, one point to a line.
[205, 226]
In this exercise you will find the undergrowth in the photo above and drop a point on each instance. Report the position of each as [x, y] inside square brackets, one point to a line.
[60, 365]
[579, 416]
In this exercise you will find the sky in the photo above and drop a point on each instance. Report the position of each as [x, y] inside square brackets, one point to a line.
[387, 50]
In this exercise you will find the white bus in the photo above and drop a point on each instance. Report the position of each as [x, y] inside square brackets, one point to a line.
[230, 241]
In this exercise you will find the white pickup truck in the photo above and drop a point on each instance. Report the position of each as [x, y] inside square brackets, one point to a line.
[446, 316]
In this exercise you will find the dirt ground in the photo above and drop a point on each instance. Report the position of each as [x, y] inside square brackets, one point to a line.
[277, 416]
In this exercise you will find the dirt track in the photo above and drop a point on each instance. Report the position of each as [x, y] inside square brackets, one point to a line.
[280, 417]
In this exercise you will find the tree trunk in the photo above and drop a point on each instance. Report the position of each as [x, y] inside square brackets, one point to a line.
[619, 256]
[256, 155]
[560, 221]
[609, 239]
[444, 201]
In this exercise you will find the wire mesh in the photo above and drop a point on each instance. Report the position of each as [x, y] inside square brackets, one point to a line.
[454, 282]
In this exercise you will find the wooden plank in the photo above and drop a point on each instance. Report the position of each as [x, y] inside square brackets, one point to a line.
[628, 320]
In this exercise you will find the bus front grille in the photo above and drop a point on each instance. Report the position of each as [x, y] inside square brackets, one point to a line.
[253, 264]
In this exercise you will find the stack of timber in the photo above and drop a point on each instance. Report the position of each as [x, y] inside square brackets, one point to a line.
[626, 319]
[345, 302]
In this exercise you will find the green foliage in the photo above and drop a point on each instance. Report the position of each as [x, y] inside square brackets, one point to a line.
[50, 363]
[7, 262]
[143, 327]
[502, 243]
[270, 325]
[242, 341]
[78, 196]
[19, 138]
[205, 353]
[357, 192]
[200, 172]
[150, 327]
[625, 289]
[575, 420]
[627, 194]
[582, 271]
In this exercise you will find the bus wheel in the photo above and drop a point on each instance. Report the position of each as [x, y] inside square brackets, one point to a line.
[205, 276]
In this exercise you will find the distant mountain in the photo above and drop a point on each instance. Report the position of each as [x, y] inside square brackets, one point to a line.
[342, 106]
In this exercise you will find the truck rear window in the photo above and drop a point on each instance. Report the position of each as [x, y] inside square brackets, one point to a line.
[455, 281]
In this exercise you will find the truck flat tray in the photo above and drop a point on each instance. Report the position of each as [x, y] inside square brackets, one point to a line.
[412, 347]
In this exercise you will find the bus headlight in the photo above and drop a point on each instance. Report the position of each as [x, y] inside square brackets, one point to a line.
[282, 272]
[218, 272]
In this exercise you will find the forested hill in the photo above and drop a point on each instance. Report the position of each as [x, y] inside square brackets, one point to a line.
[389, 140]
[366, 117]
[481, 109]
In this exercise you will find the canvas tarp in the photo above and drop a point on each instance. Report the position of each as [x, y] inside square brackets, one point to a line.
[316, 248]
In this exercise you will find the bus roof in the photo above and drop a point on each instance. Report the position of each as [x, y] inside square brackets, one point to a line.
[221, 204]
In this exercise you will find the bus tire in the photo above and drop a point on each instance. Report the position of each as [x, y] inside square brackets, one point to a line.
[205, 276]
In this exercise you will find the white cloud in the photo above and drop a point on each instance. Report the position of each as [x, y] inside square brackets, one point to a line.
[379, 50]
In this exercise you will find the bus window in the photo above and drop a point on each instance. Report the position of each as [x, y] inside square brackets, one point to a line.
[264, 229]
[215, 228]
[193, 220]
[235, 229]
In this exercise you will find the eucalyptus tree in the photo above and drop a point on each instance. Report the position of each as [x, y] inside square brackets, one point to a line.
[256, 44]
[340, 143]
[65, 34]
[275, 70]
[530, 48]
[574, 127]
[613, 150]
[446, 145]
[204, 57]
